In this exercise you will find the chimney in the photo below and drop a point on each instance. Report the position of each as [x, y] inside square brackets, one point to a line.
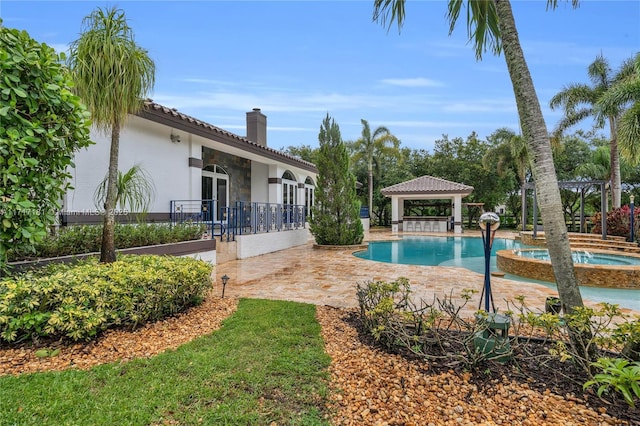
[257, 127]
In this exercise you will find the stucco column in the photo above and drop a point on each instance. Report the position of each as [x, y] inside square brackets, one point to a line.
[396, 211]
[195, 170]
[457, 214]
[275, 185]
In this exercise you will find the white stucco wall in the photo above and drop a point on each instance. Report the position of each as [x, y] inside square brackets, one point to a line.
[257, 244]
[259, 182]
[141, 142]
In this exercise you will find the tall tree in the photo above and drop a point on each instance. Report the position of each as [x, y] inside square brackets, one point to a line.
[336, 211]
[490, 24]
[580, 101]
[509, 155]
[112, 75]
[624, 96]
[42, 124]
[370, 146]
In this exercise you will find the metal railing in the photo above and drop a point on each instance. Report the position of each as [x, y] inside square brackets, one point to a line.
[239, 219]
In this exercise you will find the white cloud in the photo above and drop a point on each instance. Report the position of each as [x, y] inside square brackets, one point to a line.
[413, 82]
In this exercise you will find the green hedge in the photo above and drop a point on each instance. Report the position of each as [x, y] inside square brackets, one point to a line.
[87, 238]
[80, 301]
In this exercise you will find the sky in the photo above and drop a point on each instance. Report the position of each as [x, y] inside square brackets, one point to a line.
[300, 60]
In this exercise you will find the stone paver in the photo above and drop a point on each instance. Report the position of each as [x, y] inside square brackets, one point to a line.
[329, 277]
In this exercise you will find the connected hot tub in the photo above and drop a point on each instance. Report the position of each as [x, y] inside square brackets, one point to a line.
[594, 268]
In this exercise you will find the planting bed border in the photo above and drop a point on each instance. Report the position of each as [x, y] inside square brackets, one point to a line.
[174, 249]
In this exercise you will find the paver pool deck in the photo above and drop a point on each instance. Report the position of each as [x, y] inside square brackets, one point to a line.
[329, 277]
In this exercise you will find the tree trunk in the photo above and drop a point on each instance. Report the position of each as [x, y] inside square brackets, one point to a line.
[539, 145]
[108, 249]
[616, 185]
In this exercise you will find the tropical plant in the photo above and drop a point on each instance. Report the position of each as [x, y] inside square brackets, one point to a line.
[370, 147]
[134, 190]
[336, 212]
[626, 92]
[509, 156]
[580, 101]
[490, 24]
[42, 124]
[619, 374]
[113, 75]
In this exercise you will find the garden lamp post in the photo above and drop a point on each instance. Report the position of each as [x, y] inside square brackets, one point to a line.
[631, 219]
[225, 280]
[489, 222]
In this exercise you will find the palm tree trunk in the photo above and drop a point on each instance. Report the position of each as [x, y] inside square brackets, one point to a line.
[108, 249]
[537, 137]
[616, 185]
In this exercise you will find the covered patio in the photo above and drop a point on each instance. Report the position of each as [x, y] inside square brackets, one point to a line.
[431, 189]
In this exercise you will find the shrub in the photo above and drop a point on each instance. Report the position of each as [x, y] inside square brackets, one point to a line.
[87, 238]
[78, 302]
[618, 222]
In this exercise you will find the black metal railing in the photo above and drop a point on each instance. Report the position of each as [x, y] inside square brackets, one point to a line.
[240, 219]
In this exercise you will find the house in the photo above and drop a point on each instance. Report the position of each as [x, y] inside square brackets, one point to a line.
[202, 171]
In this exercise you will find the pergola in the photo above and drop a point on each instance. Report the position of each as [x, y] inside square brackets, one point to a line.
[426, 188]
[583, 186]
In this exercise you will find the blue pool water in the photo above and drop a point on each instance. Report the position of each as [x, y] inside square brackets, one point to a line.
[468, 252]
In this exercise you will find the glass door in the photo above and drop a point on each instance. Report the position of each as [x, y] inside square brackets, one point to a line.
[215, 186]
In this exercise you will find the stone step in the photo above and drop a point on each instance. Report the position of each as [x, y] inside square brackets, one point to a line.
[617, 247]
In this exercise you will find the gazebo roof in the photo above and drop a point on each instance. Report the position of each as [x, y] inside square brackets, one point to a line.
[427, 185]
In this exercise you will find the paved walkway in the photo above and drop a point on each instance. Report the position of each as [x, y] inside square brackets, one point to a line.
[329, 277]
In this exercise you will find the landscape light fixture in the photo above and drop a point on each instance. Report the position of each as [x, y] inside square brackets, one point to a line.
[225, 280]
[489, 222]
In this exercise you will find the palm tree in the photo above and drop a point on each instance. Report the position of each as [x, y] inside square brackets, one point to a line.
[370, 147]
[511, 153]
[112, 75]
[625, 91]
[580, 101]
[491, 24]
[134, 190]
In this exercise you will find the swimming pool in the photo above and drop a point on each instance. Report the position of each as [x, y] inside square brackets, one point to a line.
[468, 252]
[435, 251]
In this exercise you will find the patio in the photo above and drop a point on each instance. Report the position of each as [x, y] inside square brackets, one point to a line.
[329, 277]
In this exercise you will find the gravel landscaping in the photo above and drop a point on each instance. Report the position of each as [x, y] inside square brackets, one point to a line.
[370, 386]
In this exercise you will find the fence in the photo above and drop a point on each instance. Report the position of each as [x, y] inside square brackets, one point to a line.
[242, 218]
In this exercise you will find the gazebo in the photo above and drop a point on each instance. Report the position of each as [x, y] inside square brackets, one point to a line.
[426, 188]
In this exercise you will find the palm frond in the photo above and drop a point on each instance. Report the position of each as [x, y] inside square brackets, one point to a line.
[135, 190]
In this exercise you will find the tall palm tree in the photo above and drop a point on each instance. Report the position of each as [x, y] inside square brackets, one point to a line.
[371, 146]
[112, 75]
[490, 24]
[580, 101]
[625, 92]
[510, 153]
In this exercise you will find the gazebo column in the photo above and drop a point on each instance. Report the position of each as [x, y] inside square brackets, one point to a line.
[396, 211]
[457, 214]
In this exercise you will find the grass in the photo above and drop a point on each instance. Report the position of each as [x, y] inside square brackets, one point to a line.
[266, 364]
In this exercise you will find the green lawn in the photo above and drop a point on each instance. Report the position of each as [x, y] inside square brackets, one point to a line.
[266, 364]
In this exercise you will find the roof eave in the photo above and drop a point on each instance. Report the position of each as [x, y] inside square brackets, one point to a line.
[185, 123]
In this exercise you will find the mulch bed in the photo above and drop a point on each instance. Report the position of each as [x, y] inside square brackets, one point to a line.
[369, 385]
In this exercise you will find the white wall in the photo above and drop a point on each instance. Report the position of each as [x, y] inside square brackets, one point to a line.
[259, 182]
[257, 244]
[141, 142]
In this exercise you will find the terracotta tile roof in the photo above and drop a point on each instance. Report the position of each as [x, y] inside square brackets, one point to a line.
[172, 117]
[427, 185]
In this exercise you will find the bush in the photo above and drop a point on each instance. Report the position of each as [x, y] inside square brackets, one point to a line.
[78, 302]
[618, 222]
[87, 238]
